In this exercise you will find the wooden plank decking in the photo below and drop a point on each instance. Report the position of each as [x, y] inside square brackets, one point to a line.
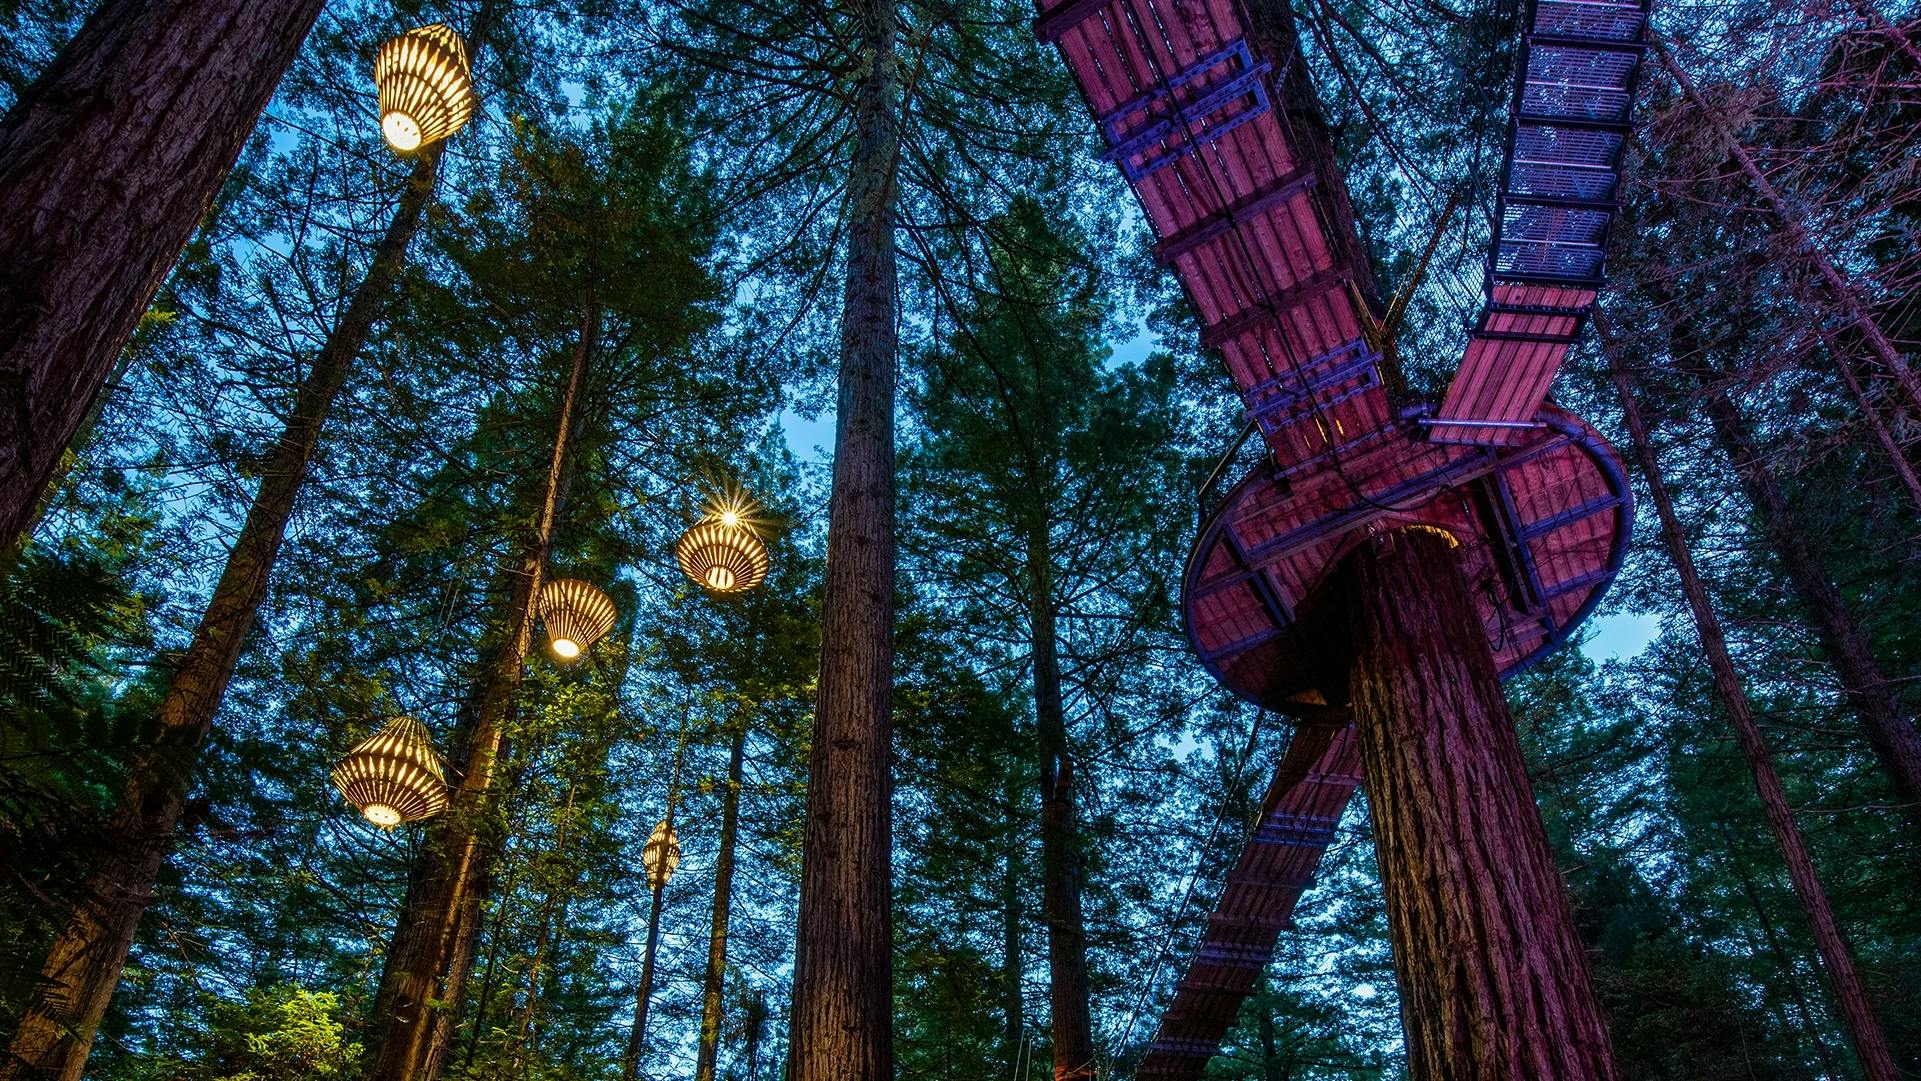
[1221, 144]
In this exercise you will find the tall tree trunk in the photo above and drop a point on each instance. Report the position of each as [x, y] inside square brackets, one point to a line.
[723, 897]
[550, 941]
[1013, 1006]
[107, 163]
[756, 1028]
[1494, 980]
[1879, 425]
[1857, 1014]
[1871, 412]
[544, 940]
[1845, 295]
[643, 994]
[491, 969]
[1804, 1010]
[422, 983]
[84, 963]
[76, 448]
[841, 1028]
[342, 344]
[1493, 976]
[1067, 992]
[1889, 731]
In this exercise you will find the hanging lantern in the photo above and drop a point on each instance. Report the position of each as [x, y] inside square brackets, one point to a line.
[426, 89]
[394, 776]
[661, 855]
[723, 553]
[576, 614]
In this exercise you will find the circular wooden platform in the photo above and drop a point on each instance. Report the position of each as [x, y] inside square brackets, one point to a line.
[1542, 522]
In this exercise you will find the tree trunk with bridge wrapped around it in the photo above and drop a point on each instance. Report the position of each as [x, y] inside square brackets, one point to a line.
[1494, 979]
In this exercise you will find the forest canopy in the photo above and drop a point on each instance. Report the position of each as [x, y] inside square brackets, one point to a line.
[677, 544]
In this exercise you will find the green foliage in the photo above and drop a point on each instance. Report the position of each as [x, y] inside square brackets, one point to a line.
[65, 722]
[671, 178]
[281, 1033]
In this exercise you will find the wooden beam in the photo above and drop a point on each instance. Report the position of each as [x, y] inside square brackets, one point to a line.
[1283, 188]
[1056, 23]
[1268, 311]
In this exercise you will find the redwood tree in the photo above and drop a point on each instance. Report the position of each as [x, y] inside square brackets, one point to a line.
[1038, 488]
[426, 970]
[107, 163]
[842, 1021]
[1857, 1014]
[715, 980]
[1493, 977]
[1872, 696]
[85, 960]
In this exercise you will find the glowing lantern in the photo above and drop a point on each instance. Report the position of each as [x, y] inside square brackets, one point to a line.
[723, 553]
[576, 614]
[661, 855]
[394, 776]
[426, 90]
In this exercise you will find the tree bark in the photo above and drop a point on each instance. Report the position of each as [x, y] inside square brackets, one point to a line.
[107, 163]
[1889, 731]
[84, 963]
[709, 1054]
[425, 975]
[1857, 1015]
[1061, 871]
[1494, 980]
[76, 447]
[842, 1021]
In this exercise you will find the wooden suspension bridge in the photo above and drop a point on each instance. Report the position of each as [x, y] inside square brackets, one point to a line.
[1207, 108]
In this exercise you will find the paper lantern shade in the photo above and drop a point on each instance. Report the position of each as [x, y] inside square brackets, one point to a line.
[723, 554]
[661, 855]
[426, 88]
[394, 776]
[576, 614]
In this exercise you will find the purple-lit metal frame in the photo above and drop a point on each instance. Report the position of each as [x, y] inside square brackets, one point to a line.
[1562, 37]
[1160, 117]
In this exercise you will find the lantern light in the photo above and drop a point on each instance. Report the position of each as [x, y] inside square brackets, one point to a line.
[723, 553]
[661, 855]
[426, 86]
[394, 776]
[576, 614]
